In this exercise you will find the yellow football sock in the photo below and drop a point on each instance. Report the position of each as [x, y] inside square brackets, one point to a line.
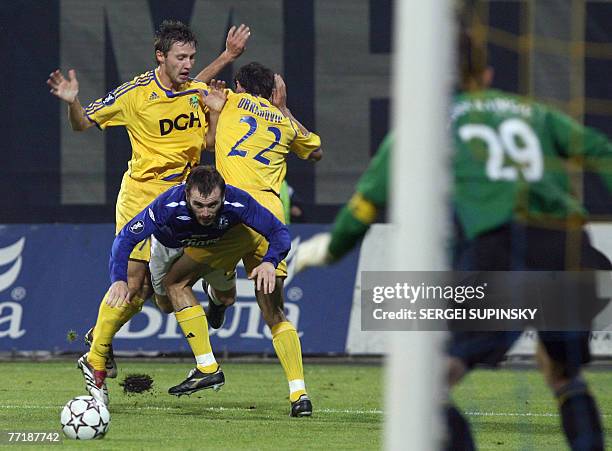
[195, 328]
[287, 345]
[110, 320]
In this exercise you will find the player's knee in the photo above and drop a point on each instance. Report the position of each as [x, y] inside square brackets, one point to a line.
[272, 305]
[226, 298]
[174, 288]
[164, 304]
[556, 374]
[139, 281]
[146, 291]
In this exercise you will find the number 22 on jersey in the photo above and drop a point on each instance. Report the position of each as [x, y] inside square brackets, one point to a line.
[252, 123]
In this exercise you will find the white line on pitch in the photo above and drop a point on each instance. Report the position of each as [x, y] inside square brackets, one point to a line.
[348, 411]
[511, 414]
[209, 409]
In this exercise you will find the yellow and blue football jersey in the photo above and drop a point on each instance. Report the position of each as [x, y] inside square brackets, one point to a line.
[253, 140]
[167, 129]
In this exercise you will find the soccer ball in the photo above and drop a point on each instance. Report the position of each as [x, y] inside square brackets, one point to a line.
[84, 418]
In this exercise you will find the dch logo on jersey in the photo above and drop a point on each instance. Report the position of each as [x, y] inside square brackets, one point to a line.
[181, 122]
[109, 99]
[137, 227]
[11, 312]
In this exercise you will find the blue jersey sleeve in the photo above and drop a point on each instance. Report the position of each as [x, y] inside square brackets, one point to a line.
[265, 223]
[142, 226]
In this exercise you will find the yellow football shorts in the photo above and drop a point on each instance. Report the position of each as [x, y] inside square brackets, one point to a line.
[241, 242]
[133, 197]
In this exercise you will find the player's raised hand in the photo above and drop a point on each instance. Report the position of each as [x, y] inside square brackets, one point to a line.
[313, 252]
[118, 294]
[265, 277]
[236, 40]
[65, 89]
[215, 98]
[279, 93]
[216, 85]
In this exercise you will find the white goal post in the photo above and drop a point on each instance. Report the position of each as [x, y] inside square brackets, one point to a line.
[422, 74]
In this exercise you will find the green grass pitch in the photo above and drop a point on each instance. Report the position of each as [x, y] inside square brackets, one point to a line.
[508, 409]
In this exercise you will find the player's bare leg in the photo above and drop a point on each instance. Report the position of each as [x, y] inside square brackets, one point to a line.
[456, 370]
[192, 319]
[287, 346]
[459, 434]
[163, 303]
[580, 416]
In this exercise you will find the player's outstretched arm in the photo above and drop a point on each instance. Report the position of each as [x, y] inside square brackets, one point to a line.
[326, 248]
[67, 89]
[235, 43]
[354, 219]
[215, 101]
[576, 140]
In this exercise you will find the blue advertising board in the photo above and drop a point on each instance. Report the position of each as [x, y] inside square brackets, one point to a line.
[52, 278]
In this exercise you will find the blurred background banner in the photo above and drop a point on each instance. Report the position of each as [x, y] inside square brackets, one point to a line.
[52, 277]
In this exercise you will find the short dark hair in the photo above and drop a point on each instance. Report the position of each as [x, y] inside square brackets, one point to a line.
[205, 179]
[472, 57]
[171, 31]
[256, 79]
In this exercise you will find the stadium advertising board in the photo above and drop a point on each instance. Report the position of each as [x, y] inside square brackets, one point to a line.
[52, 278]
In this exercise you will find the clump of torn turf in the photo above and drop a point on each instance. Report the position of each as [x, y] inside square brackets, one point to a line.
[137, 383]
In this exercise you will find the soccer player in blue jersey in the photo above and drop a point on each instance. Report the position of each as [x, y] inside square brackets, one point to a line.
[168, 128]
[197, 213]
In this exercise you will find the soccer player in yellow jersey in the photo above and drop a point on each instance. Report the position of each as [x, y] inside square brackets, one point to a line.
[167, 124]
[255, 133]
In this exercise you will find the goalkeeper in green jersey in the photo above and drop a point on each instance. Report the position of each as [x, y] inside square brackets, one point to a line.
[514, 211]
[354, 219]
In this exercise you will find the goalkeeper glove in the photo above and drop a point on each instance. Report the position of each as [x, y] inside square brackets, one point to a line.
[313, 252]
